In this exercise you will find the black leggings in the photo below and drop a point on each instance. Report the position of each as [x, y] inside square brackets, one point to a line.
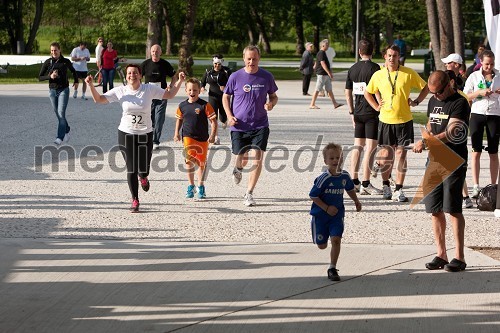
[137, 150]
[216, 103]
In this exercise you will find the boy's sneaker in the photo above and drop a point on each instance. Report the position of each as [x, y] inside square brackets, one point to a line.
[475, 192]
[387, 192]
[66, 137]
[201, 192]
[370, 190]
[135, 206]
[333, 274]
[58, 141]
[249, 200]
[467, 203]
[190, 192]
[75, 94]
[237, 175]
[144, 183]
[399, 196]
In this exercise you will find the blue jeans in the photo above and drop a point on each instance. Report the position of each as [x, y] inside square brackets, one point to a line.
[59, 100]
[158, 110]
[108, 75]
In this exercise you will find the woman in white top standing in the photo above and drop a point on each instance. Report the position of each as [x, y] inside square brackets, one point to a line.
[135, 132]
[98, 52]
[483, 89]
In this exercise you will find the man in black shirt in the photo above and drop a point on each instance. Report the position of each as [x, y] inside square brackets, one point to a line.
[446, 137]
[364, 117]
[324, 76]
[155, 71]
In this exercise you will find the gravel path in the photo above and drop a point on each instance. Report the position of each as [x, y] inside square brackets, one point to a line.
[91, 200]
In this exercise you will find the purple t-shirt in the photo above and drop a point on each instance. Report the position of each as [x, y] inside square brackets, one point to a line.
[250, 93]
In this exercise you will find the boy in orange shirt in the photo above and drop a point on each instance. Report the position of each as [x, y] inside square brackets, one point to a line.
[192, 116]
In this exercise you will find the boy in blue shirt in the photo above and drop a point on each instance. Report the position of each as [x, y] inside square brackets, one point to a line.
[327, 209]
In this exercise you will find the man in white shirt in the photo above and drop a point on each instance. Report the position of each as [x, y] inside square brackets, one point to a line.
[80, 56]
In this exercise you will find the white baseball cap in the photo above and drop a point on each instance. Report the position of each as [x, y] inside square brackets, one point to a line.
[454, 57]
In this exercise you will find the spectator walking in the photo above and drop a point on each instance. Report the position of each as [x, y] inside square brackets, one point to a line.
[98, 53]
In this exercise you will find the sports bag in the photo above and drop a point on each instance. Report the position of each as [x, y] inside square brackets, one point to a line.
[487, 198]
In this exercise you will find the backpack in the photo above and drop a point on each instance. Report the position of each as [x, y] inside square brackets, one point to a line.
[487, 198]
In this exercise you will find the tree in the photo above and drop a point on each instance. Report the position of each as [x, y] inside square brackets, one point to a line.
[154, 33]
[299, 27]
[458, 27]
[185, 58]
[432, 19]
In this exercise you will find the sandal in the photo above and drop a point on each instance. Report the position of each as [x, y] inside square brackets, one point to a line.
[455, 266]
[436, 263]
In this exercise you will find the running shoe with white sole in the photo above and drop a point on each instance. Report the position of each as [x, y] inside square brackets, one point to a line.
[144, 183]
[66, 137]
[399, 196]
[201, 192]
[58, 141]
[237, 175]
[156, 146]
[135, 206]
[370, 190]
[387, 192]
[190, 191]
[249, 200]
[467, 203]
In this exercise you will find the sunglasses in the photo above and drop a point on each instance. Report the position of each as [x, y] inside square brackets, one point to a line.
[438, 92]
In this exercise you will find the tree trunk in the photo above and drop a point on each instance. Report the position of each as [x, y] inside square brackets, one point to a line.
[35, 26]
[432, 20]
[168, 30]
[263, 38]
[299, 28]
[19, 28]
[445, 29]
[458, 27]
[316, 38]
[185, 58]
[153, 36]
[251, 36]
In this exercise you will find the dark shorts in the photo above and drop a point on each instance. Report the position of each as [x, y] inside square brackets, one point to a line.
[447, 196]
[395, 134]
[242, 142]
[366, 127]
[81, 75]
[477, 124]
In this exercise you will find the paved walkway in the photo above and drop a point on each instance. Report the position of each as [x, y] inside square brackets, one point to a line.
[72, 259]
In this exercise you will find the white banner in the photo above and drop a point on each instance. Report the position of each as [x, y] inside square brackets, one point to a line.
[492, 20]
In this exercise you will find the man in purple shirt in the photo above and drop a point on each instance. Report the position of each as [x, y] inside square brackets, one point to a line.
[247, 116]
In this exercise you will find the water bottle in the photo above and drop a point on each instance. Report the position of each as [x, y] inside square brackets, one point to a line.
[480, 85]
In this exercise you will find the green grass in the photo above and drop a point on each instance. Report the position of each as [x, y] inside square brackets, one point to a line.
[419, 118]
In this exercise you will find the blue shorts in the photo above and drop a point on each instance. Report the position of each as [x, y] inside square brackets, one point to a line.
[325, 227]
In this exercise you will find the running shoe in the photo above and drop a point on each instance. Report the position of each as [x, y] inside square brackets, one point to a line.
[58, 141]
[357, 187]
[237, 175]
[66, 137]
[75, 94]
[156, 146]
[144, 183]
[201, 192]
[190, 192]
[387, 192]
[135, 206]
[475, 192]
[84, 98]
[333, 274]
[467, 203]
[249, 200]
[370, 190]
[399, 196]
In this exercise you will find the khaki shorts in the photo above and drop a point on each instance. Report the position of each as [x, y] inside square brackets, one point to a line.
[323, 82]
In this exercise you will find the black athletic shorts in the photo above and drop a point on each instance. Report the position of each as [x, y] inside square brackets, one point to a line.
[447, 195]
[81, 75]
[477, 124]
[366, 127]
[395, 134]
[254, 139]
